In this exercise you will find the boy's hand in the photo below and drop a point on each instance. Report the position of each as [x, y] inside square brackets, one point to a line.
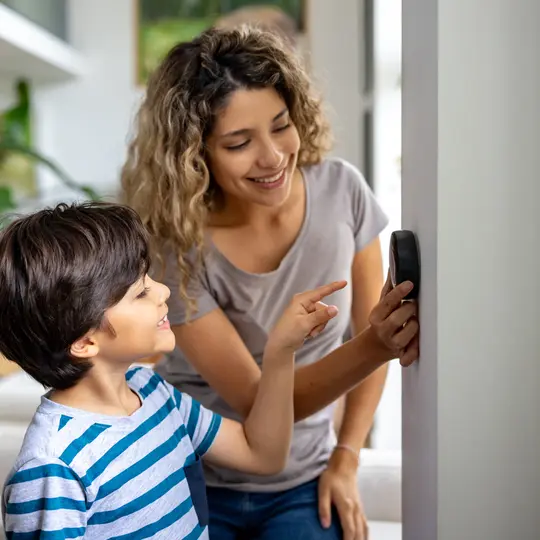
[305, 317]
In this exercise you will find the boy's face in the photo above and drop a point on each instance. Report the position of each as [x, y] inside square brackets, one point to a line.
[140, 323]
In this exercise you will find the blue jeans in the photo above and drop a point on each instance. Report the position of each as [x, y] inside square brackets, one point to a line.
[284, 515]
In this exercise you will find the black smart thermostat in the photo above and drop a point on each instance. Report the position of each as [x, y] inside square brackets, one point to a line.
[405, 261]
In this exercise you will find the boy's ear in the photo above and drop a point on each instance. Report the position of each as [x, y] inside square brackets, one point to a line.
[85, 347]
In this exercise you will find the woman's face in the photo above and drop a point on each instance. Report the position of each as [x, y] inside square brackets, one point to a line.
[253, 148]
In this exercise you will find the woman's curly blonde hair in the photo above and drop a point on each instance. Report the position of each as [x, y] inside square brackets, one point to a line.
[166, 177]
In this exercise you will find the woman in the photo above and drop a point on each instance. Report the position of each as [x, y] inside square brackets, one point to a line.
[228, 172]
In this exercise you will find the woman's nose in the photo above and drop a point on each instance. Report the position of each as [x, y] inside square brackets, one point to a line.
[270, 157]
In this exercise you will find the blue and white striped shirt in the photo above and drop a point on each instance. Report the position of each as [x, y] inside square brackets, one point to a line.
[101, 477]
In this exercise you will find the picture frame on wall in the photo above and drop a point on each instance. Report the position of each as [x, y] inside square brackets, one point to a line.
[161, 24]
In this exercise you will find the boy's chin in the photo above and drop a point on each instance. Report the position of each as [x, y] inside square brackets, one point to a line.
[168, 344]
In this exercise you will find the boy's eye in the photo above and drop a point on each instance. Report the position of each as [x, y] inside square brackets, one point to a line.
[143, 293]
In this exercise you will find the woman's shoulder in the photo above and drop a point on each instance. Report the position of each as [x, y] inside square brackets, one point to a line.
[335, 177]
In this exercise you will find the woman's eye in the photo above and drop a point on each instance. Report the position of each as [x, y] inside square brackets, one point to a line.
[245, 143]
[238, 146]
[283, 128]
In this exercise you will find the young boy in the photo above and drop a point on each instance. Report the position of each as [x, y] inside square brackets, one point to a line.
[111, 454]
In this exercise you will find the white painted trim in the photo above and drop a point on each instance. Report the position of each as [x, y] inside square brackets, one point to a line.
[26, 49]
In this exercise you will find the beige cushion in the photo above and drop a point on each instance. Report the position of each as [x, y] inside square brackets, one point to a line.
[379, 530]
[20, 396]
[379, 480]
[12, 436]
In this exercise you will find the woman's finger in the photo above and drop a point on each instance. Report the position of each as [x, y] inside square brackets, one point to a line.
[411, 353]
[365, 528]
[390, 302]
[404, 336]
[325, 506]
[360, 526]
[387, 286]
[347, 519]
[401, 316]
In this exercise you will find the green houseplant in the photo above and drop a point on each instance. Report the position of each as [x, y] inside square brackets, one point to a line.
[16, 141]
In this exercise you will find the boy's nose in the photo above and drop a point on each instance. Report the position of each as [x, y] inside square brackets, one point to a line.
[165, 293]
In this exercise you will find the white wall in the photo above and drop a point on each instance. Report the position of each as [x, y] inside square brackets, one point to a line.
[84, 124]
[471, 123]
[387, 173]
[336, 61]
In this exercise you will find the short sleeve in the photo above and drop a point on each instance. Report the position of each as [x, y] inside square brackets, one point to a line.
[198, 289]
[202, 424]
[369, 219]
[44, 495]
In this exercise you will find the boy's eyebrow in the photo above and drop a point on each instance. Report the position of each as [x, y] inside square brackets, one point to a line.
[139, 285]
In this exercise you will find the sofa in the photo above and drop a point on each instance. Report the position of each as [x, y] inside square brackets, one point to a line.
[379, 477]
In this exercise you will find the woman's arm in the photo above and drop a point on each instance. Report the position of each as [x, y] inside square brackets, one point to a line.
[362, 402]
[219, 355]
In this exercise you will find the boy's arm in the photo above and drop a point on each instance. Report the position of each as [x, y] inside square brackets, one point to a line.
[261, 445]
[44, 495]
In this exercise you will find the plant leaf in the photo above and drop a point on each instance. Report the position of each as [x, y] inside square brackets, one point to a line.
[6, 199]
[6, 146]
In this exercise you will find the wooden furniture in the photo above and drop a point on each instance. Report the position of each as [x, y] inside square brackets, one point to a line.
[6, 367]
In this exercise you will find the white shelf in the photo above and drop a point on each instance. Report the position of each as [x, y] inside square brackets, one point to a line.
[26, 50]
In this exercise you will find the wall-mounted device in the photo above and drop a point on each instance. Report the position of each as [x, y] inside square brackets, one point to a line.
[405, 261]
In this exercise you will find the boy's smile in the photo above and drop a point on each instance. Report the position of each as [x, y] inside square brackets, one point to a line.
[164, 324]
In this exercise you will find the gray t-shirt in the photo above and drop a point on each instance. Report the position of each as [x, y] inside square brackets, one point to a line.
[342, 217]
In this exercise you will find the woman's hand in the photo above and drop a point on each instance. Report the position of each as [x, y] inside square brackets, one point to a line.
[338, 486]
[395, 323]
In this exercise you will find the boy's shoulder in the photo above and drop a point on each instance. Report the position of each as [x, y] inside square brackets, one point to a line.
[43, 457]
[51, 441]
[43, 437]
[59, 434]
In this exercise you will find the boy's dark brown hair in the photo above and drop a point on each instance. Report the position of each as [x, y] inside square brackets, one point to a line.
[60, 270]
